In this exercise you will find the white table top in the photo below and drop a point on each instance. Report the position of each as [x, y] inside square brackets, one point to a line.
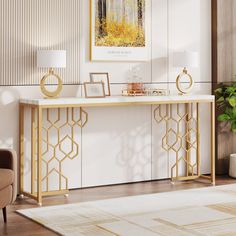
[119, 100]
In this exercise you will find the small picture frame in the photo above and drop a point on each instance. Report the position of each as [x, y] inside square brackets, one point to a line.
[94, 90]
[102, 77]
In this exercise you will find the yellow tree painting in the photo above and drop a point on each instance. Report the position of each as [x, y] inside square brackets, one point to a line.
[120, 23]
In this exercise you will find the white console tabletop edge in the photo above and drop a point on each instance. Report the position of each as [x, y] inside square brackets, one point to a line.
[118, 100]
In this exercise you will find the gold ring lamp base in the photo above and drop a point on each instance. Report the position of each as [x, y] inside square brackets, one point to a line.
[181, 89]
[48, 93]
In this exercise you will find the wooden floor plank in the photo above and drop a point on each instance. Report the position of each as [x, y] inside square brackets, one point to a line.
[20, 226]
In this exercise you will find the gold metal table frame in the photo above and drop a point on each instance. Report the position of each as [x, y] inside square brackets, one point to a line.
[179, 114]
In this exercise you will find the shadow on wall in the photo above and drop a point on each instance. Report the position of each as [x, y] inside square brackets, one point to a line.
[9, 100]
[9, 120]
[134, 156]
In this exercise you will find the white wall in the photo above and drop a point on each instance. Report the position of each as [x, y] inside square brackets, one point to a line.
[122, 144]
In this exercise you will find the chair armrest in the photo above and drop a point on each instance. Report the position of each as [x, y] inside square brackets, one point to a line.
[8, 160]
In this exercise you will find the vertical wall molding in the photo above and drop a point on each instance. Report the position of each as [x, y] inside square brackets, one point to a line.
[29, 25]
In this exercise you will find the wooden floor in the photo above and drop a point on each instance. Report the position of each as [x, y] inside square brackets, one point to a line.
[20, 226]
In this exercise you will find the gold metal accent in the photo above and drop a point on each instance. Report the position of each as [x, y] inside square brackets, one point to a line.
[47, 93]
[39, 156]
[33, 149]
[45, 150]
[181, 137]
[178, 82]
[21, 145]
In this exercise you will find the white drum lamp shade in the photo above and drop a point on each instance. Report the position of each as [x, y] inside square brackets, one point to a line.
[186, 59]
[51, 59]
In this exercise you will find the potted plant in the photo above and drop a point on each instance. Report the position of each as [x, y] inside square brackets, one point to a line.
[226, 102]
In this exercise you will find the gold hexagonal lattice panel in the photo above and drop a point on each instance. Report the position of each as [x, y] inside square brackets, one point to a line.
[181, 138]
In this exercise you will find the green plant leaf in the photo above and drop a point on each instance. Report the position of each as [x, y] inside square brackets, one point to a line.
[220, 99]
[229, 111]
[233, 126]
[219, 90]
[223, 117]
[230, 90]
[234, 113]
[232, 101]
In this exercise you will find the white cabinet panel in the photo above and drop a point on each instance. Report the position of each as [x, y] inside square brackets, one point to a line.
[116, 145]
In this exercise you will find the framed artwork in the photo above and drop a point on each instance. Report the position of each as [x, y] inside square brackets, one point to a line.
[120, 30]
[94, 90]
[102, 77]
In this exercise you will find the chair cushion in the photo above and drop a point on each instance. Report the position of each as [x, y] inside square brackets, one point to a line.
[6, 178]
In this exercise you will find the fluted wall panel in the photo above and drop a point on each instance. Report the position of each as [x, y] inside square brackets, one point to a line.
[29, 25]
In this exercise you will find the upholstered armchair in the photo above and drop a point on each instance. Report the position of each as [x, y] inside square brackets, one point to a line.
[8, 179]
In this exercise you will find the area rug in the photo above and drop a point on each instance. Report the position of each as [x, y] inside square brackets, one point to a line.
[205, 211]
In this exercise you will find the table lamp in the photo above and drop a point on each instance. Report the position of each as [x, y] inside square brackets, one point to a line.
[185, 60]
[51, 59]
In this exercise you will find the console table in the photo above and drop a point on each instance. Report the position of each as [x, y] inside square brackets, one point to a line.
[183, 139]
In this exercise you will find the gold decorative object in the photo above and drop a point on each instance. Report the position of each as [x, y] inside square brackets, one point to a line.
[156, 92]
[185, 59]
[182, 137]
[179, 84]
[136, 88]
[42, 124]
[51, 59]
[146, 92]
[48, 93]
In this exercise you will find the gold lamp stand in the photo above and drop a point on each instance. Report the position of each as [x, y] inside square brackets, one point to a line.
[179, 86]
[47, 93]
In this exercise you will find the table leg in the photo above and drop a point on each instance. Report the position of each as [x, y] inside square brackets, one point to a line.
[213, 143]
[21, 147]
[198, 143]
[188, 153]
[33, 150]
[39, 161]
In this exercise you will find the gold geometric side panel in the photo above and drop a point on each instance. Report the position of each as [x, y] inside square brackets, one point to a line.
[60, 142]
[181, 138]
